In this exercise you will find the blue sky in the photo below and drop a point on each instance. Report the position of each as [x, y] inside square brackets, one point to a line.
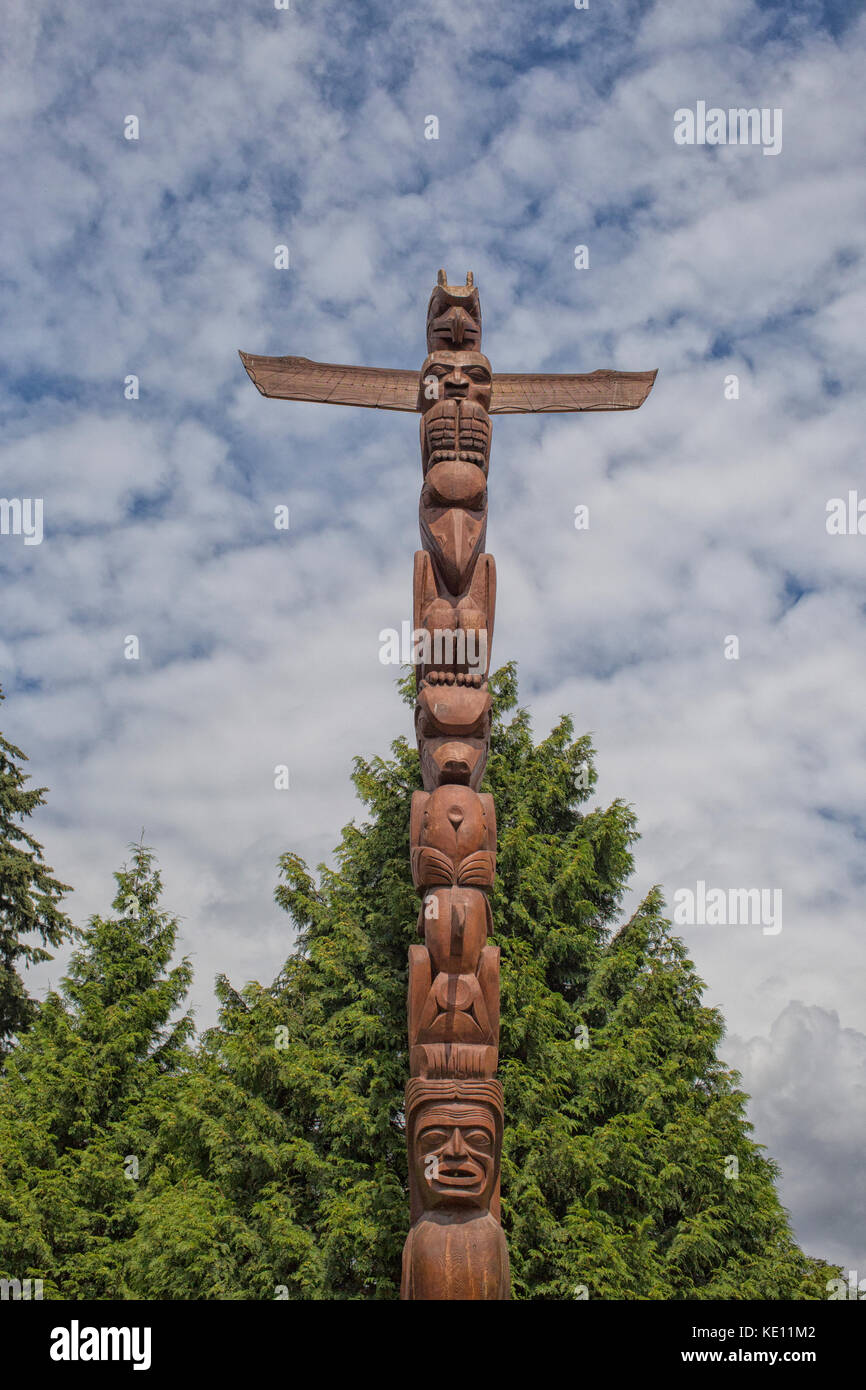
[156, 257]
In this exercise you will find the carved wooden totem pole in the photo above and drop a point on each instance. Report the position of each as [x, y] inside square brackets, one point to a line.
[455, 1248]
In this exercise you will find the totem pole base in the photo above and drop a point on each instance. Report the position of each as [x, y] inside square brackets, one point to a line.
[462, 1259]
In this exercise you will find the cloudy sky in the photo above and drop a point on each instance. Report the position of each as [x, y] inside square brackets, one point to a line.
[154, 257]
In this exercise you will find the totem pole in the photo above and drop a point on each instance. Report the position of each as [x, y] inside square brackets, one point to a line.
[455, 1248]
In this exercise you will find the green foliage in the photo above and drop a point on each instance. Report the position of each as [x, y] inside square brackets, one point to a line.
[29, 895]
[271, 1160]
[279, 1166]
[79, 1093]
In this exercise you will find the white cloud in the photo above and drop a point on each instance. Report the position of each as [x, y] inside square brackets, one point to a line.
[808, 1076]
[707, 515]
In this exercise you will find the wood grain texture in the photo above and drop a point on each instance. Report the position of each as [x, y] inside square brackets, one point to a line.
[456, 1248]
[387, 388]
[531, 392]
[299, 379]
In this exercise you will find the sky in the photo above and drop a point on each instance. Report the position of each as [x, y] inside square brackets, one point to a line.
[735, 269]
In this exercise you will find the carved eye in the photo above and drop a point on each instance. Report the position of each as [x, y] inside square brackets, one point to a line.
[479, 374]
[478, 1138]
[433, 1138]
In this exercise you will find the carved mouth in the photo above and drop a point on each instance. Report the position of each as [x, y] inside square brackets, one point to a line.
[460, 1175]
[456, 770]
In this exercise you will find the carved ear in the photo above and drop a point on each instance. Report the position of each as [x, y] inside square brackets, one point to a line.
[416, 817]
[488, 572]
[488, 979]
[489, 819]
[420, 978]
[423, 588]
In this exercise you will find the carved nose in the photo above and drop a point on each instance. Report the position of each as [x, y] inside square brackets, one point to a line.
[455, 815]
[455, 1148]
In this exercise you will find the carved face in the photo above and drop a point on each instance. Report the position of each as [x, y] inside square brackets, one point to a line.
[454, 537]
[453, 835]
[452, 725]
[455, 923]
[456, 821]
[462, 376]
[455, 1154]
[454, 318]
[452, 326]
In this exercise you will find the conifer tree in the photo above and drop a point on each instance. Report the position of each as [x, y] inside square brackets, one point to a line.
[80, 1093]
[628, 1168]
[29, 895]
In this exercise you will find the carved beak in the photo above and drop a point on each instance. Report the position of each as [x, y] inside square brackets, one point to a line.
[457, 538]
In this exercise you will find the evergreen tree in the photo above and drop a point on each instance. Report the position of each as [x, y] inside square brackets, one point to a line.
[29, 895]
[628, 1169]
[80, 1092]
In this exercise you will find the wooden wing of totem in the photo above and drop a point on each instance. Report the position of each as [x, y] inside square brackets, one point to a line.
[518, 393]
[386, 388]
[299, 379]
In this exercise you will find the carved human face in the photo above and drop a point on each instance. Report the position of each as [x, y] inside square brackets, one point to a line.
[463, 376]
[455, 1154]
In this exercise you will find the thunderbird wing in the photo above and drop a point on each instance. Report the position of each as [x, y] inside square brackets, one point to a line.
[299, 379]
[387, 388]
[522, 392]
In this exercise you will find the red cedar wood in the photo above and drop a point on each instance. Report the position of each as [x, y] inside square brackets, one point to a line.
[386, 388]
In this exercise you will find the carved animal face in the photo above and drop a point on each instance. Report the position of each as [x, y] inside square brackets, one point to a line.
[454, 537]
[462, 376]
[452, 725]
[455, 820]
[452, 326]
[455, 1154]
[454, 316]
[455, 923]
